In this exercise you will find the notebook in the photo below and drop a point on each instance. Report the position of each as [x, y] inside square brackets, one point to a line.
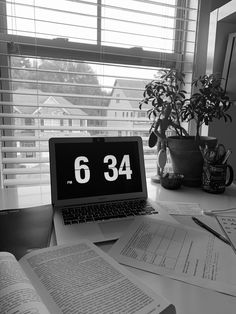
[25, 229]
[98, 185]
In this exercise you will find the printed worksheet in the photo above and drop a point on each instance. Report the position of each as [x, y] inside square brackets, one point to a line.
[191, 255]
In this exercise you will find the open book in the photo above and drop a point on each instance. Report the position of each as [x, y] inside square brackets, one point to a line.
[77, 278]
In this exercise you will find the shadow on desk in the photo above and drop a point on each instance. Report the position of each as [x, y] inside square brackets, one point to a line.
[24, 229]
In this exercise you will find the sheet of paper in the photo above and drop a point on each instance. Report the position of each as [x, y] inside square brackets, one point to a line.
[179, 252]
[173, 208]
[228, 225]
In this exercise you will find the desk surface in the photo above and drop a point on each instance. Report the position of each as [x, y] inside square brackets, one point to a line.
[188, 299]
[40, 195]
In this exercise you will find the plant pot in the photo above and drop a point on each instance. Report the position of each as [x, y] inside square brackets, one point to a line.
[186, 157]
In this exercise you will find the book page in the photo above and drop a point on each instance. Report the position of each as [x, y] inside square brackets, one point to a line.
[82, 277]
[191, 255]
[17, 295]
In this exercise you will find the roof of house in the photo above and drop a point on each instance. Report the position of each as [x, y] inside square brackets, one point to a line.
[37, 98]
[131, 89]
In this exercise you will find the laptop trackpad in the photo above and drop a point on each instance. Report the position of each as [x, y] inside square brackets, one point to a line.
[114, 229]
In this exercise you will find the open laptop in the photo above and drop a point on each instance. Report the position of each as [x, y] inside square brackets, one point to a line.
[98, 185]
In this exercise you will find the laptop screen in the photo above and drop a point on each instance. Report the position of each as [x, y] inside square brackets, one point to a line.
[85, 170]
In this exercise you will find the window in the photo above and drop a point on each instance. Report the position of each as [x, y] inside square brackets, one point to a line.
[27, 154]
[74, 67]
[29, 121]
[117, 99]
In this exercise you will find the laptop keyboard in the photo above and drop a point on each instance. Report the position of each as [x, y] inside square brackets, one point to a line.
[111, 210]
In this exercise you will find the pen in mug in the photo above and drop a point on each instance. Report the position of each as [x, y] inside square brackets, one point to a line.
[206, 227]
[226, 156]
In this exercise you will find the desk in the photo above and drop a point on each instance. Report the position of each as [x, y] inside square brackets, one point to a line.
[188, 299]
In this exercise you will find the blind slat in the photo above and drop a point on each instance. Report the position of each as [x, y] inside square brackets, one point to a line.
[24, 149]
[66, 117]
[67, 128]
[20, 160]
[25, 171]
[30, 182]
[32, 105]
[69, 95]
[69, 84]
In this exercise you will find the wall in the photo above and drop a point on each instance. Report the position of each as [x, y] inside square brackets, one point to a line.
[220, 27]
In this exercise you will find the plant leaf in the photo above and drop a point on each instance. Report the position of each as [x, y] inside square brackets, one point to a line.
[152, 139]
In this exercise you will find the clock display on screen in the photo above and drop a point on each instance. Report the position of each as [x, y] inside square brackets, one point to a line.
[94, 169]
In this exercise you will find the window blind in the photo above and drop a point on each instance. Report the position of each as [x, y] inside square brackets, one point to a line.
[79, 68]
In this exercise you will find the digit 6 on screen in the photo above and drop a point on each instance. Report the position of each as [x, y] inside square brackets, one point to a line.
[82, 171]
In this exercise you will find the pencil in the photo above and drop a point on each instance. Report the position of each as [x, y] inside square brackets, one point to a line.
[212, 231]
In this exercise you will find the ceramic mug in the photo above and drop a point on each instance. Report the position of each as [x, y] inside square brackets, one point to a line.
[215, 177]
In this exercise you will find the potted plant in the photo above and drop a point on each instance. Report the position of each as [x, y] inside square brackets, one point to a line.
[166, 97]
[170, 108]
